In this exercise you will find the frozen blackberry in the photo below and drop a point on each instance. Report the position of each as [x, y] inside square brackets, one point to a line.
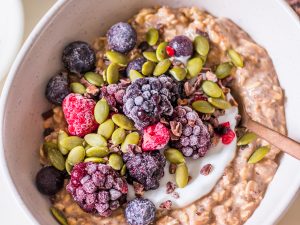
[182, 45]
[121, 37]
[194, 140]
[78, 57]
[140, 211]
[148, 99]
[97, 188]
[57, 88]
[49, 180]
[136, 65]
[146, 168]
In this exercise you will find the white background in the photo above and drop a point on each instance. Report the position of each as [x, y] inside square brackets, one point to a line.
[10, 213]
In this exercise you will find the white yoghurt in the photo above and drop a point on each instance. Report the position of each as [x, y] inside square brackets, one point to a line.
[219, 156]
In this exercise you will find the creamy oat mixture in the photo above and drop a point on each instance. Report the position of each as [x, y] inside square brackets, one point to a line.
[241, 188]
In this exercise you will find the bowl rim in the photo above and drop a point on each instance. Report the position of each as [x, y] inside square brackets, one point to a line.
[280, 211]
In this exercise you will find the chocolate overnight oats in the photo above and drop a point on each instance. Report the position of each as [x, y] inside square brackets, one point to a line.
[143, 128]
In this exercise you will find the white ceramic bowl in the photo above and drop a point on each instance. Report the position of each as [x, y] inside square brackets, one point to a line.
[271, 23]
[11, 33]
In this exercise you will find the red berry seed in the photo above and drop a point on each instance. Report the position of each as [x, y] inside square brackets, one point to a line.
[170, 51]
[155, 137]
[228, 137]
[226, 124]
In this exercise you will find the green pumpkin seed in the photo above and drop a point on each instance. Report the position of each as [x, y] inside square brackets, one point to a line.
[151, 56]
[69, 167]
[201, 45]
[115, 161]
[211, 89]
[132, 138]
[94, 78]
[71, 142]
[59, 216]
[77, 88]
[194, 66]
[104, 75]
[123, 170]
[152, 36]
[94, 159]
[219, 103]
[112, 73]
[54, 155]
[118, 136]
[76, 155]
[259, 154]
[97, 152]
[116, 57]
[106, 129]
[95, 140]
[182, 175]
[61, 136]
[123, 122]
[246, 139]
[178, 73]
[161, 53]
[174, 156]
[162, 67]
[203, 106]
[148, 68]
[101, 111]
[86, 147]
[134, 74]
[236, 58]
[223, 70]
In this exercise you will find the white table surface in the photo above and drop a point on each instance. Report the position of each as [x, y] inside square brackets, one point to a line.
[11, 214]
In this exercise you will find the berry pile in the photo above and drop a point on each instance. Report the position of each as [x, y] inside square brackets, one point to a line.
[97, 188]
[161, 98]
[147, 100]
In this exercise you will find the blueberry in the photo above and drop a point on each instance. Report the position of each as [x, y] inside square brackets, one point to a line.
[79, 57]
[136, 65]
[57, 88]
[121, 37]
[182, 45]
[49, 180]
[140, 211]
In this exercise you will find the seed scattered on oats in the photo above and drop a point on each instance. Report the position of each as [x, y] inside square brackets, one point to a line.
[247, 139]
[59, 216]
[236, 58]
[152, 36]
[259, 154]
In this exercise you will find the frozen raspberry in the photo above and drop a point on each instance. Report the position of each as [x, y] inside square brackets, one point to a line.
[121, 37]
[146, 168]
[79, 114]
[140, 211]
[155, 137]
[135, 65]
[194, 140]
[148, 99]
[182, 45]
[49, 180]
[57, 88]
[79, 57]
[97, 188]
